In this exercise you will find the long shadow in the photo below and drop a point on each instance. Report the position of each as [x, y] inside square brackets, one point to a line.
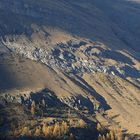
[116, 56]
[7, 80]
[85, 133]
[131, 72]
[48, 96]
[81, 133]
[95, 94]
[84, 85]
[86, 102]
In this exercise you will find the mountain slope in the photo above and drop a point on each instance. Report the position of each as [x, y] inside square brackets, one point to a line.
[108, 21]
[83, 55]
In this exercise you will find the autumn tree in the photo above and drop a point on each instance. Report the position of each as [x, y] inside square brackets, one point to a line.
[57, 131]
[33, 106]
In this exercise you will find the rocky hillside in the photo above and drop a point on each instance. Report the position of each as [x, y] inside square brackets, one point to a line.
[80, 55]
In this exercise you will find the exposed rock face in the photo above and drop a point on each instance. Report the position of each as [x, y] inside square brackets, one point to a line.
[48, 99]
[78, 56]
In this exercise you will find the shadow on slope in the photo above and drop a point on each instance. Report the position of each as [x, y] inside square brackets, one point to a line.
[131, 72]
[94, 19]
[19, 73]
[92, 91]
[85, 86]
[116, 56]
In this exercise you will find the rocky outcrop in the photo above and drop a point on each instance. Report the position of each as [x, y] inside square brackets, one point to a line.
[76, 56]
[48, 99]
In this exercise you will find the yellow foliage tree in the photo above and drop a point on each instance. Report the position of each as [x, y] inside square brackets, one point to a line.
[64, 128]
[57, 131]
[82, 123]
[38, 131]
[48, 131]
[25, 131]
[33, 106]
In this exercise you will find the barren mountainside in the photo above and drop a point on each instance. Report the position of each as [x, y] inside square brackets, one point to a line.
[68, 61]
